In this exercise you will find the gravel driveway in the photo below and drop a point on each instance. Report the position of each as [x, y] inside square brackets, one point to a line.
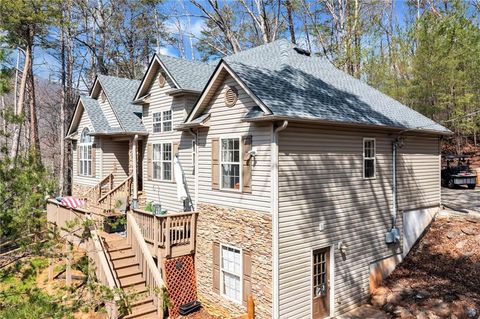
[462, 199]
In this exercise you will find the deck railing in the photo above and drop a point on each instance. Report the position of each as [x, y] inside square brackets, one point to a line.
[173, 234]
[122, 190]
[71, 221]
[103, 268]
[95, 193]
[149, 270]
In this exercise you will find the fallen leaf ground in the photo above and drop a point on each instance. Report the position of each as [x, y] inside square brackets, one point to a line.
[440, 278]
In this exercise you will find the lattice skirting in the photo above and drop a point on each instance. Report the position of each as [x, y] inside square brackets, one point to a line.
[180, 281]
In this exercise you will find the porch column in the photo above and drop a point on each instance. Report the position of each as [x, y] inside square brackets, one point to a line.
[135, 167]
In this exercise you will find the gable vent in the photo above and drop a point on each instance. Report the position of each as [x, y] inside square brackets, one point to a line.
[231, 96]
[162, 80]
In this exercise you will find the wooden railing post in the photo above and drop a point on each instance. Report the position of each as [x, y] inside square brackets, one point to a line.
[193, 222]
[168, 236]
[155, 236]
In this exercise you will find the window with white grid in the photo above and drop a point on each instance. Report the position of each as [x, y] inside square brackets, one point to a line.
[230, 163]
[162, 161]
[231, 272]
[369, 159]
[85, 149]
[162, 121]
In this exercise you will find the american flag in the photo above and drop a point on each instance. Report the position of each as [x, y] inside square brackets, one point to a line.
[72, 202]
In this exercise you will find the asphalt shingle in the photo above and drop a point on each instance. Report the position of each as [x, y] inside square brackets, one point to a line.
[120, 92]
[190, 75]
[308, 87]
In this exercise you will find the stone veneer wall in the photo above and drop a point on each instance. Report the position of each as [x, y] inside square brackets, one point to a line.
[248, 230]
[79, 190]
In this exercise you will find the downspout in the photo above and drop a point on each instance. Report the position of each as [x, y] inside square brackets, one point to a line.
[275, 235]
[394, 184]
[135, 171]
[195, 165]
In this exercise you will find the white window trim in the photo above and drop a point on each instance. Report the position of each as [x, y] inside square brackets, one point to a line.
[162, 122]
[81, 159]
[161, 161]
[241, 273]
[220, 162]
[365, 139]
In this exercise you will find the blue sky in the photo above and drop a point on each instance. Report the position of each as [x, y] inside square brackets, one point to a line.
[45, 65]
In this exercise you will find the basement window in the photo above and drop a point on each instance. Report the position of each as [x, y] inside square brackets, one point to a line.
[231, 272]
[369, 158]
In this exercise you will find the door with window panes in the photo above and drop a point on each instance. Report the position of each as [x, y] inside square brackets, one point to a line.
[321, 283]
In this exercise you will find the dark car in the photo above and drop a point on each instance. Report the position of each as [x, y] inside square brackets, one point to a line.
[457, 172]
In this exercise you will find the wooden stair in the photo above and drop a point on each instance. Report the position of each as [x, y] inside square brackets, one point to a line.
[128, 273]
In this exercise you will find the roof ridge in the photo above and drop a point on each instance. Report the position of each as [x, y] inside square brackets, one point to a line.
[182, 59]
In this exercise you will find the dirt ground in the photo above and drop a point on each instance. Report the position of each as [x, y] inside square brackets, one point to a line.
[440, 278]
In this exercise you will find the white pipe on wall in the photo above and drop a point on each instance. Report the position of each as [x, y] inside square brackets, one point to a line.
[274, 205]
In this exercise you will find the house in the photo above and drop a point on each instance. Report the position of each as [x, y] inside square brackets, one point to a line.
[307, 184]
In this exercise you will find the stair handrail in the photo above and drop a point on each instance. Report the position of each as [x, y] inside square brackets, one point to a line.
[104, 270]
[99, 185]
[150, 272]
[125, 181]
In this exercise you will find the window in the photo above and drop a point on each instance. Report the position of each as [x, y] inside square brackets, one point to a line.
[369, 161]
[162, 121]
[230, 163]
[231, 272]
[167, 121]
[85, 156]
[194, 154]
[162, 161]
[157, 122]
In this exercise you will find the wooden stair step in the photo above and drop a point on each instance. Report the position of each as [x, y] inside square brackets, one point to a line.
[128, 271]
[141, 301]
[131, 280]
[146, 312]
[137, 289]
[124, 263]
[122, 254]
[141, 308]
[118, 248]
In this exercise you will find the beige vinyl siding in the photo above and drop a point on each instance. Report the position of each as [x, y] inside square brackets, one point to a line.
[85, 180]
[226, 122]
[115, 159]
[321, 180]
[108, 112]
[165, 192]
[418, 177]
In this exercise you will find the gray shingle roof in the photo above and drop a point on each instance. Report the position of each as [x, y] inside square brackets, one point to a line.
[297, 86]
[189, 75]
[120, 92]
[95, 114]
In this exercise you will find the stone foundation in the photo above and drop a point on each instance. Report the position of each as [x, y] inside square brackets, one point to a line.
[248, 230]
[79, 190]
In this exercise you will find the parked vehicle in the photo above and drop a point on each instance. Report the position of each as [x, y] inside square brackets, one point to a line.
[457, 172]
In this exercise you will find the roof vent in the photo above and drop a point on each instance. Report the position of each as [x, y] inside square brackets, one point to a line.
[302, 51]
[161, 80]
[231, 96]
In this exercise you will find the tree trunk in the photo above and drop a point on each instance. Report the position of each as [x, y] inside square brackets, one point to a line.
[61, 181]
[19, 107]
[291, 25]
[34, 137]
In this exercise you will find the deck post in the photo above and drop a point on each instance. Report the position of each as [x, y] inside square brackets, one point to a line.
[155, 236]
[193, 222]
[135, 167]
[168, 236]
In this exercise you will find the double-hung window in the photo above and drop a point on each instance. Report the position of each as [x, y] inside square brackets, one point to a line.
[85, 156]
[230, 163]
[231, 272]
[162, 121]
[369, 160]
[162, 161]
